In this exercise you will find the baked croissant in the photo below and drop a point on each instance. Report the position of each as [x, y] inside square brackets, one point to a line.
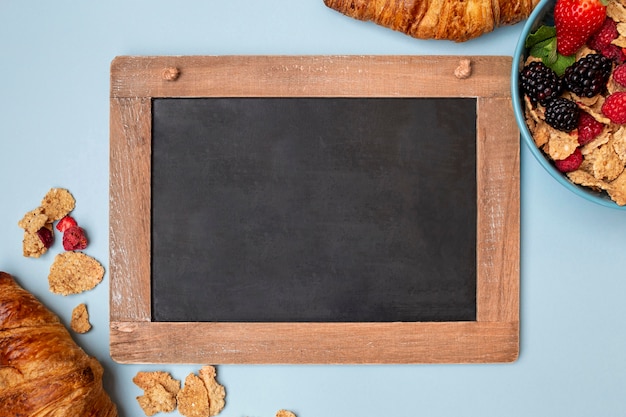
[43, 372]
[457, 20]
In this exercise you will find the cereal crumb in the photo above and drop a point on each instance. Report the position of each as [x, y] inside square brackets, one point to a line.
[216, 392]
[193, 398]
[285, 413]
[73, 273]
[160, 391]
[33, 220]
[57, 203]
[80, 319]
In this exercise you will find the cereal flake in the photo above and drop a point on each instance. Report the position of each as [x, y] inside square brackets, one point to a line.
[80, 319]
[73, 273]
[193, 398]
[57, 203]
[216, 392]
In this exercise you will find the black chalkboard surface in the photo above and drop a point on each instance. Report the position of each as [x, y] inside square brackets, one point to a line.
[310, 209]
[313, 209]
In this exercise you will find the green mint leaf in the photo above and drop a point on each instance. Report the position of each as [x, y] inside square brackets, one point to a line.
[541, 34]
[561, 63]
[546, 50]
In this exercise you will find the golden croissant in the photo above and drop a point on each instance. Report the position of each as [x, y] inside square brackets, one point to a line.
[43, 372]
[457, 20]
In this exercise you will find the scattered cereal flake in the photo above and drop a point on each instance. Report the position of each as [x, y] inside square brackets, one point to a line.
[616, 11]
[603, 163]
[156, 399]
[80, 319]
[216, 392]
[619, 143]
[73, 273]
[193, 398]
[146, 380]
[285, 413]
[585, 179]
[33, 220]
[160, 391]
[617, 189]
[57, 203]
[593, 106]
[560, 144]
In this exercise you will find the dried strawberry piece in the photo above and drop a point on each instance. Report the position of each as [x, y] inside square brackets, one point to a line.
[74, 238]
[65, 223]
[46, 236]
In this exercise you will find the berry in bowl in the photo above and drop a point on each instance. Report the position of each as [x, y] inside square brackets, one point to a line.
[569, 90]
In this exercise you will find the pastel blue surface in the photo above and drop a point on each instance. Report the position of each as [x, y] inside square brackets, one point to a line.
[54, 127]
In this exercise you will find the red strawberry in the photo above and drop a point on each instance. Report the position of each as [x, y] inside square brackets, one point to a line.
[619, 75]
[588, 128]
[576, 21]
[571, 163]
[65, 223]
[74, 239]
[614, 107]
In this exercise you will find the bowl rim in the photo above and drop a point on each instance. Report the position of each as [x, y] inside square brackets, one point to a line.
[518, 105]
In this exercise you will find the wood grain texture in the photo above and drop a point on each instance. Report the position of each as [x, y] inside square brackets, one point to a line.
[129, 214]
[493, 337]
[328, 343]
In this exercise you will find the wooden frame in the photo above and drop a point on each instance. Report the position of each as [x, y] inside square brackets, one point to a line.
[134, 338]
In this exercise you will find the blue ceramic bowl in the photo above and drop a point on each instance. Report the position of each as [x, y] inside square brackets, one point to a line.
[541, 14]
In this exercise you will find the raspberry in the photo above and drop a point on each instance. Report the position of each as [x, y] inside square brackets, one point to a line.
[588, 128]
[603, 37]
[614, 107]
[74, 238]
[562, 114]
[619, 75]
[571, 163]
[540, 83]
[46, 237]
[65, 223]
[615, 53]
[588, 76]
[601, 41]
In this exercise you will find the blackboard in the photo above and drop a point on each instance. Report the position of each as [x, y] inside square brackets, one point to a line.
[298, 209]
[274, 212]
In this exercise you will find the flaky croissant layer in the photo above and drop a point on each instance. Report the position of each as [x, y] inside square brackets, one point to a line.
[43, 372]
[456, 20]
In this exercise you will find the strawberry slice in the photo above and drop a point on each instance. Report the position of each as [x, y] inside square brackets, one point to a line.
[65, 223]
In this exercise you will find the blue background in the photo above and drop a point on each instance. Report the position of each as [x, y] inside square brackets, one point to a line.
[54, 127]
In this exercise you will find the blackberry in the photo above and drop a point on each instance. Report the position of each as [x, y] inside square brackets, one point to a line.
[539, 82]
[562, 114]
[588, 76]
